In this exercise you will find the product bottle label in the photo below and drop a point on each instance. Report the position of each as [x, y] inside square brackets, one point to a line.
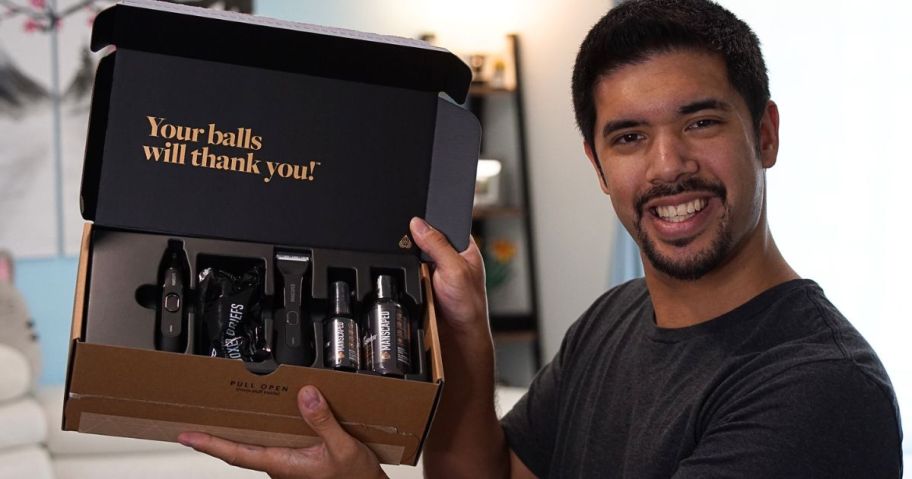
[369, 352]
[403, 340]
[387, 343]
[341, 346]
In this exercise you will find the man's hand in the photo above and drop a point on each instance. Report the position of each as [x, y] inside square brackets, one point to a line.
[339, 455]
[458, 279]
[466, 439]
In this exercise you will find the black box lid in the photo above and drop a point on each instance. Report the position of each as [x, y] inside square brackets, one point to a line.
[279, 132]
[269, 43]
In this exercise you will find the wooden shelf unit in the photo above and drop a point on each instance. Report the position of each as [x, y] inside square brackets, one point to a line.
[514, 313]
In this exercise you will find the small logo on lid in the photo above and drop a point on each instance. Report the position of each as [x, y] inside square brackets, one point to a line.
[405, 242]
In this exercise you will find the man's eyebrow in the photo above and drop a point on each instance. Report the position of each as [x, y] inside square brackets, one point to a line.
[616, 125]
[707, 104]
[699, 105]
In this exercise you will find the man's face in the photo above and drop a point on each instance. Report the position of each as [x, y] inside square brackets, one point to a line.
[679, 154]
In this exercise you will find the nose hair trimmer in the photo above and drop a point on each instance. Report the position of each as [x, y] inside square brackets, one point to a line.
[293, 332]
[171, 321]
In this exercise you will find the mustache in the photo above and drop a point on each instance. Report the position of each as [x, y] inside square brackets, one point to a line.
[684, 186]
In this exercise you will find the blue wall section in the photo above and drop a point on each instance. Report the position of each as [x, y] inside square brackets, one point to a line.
[48, 286]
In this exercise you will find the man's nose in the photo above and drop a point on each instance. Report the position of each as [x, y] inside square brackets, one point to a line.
[669, 160]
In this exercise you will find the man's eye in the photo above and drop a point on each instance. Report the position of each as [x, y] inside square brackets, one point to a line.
[628, 138]
[704, 123]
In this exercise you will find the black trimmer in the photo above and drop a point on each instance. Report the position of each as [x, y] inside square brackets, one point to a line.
[294, 338]
[173, 307]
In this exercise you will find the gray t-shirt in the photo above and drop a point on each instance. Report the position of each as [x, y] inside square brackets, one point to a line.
[782, 386]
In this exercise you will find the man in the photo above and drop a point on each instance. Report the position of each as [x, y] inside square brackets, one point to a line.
[721, 362]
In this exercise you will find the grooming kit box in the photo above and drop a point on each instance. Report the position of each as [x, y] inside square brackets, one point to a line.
[249, 184]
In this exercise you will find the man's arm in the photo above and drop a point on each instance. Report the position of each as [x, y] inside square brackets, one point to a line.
[466, 439]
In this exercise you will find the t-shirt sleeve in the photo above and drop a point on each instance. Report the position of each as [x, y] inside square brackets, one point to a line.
[531, 426]
[817, 420]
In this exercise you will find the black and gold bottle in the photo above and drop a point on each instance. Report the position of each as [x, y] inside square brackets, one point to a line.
[387, 341]
[341, 330]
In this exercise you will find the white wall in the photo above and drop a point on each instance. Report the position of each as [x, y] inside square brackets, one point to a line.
[573, 220]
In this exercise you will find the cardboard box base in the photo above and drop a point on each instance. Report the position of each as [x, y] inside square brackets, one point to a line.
[138, 396]
[148, 394]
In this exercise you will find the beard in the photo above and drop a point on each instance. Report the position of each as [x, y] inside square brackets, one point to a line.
[696, 265]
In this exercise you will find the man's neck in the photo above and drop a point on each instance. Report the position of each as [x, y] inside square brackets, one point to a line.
[755, 267]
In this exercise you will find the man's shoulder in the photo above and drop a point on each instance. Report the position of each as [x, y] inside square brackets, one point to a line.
[800, 325]
[799, 368]
[800, 345]
[817, 419]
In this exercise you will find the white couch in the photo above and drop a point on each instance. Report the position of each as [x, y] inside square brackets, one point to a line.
[33, 446]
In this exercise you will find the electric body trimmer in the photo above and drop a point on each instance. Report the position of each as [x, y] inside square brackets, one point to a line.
[294, 338]
[171, 321]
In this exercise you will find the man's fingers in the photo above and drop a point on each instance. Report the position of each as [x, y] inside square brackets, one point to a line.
[320, 418]
[434, 243]
[472, 254]
[338, 455]
[236, 454]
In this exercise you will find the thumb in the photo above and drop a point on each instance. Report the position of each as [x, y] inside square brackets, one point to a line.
[320, 418]
[434, 243]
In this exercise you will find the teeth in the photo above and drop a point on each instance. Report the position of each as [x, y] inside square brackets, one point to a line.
[677, 213]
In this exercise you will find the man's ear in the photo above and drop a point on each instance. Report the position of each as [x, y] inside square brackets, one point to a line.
[769, 135]
[593, 159]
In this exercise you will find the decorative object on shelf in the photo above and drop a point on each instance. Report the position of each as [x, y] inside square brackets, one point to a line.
[491, 71]
[498, 260]
[499, 77]
[477, 64]
[429, 37]
[487, 183]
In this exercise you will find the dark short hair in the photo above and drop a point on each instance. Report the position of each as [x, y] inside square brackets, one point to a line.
[636, 29]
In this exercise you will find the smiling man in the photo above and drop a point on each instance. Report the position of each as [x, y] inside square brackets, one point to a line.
[721, 362]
